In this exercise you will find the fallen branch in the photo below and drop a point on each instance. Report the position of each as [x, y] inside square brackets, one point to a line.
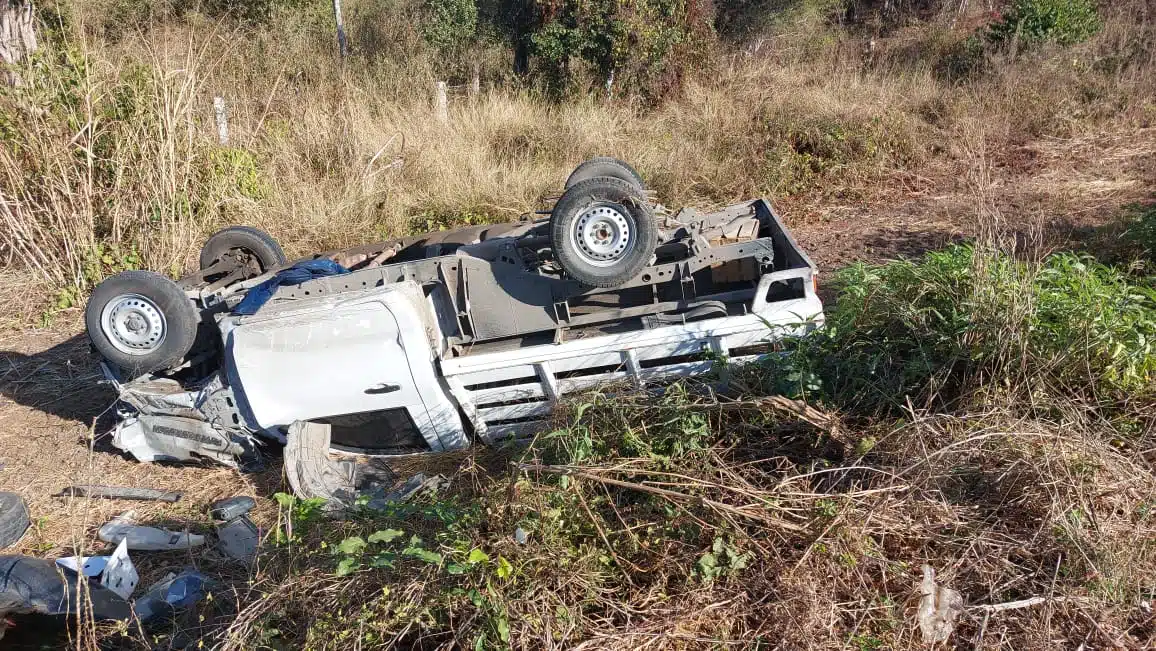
[1016, 605]
[663, 492]
[797, 408]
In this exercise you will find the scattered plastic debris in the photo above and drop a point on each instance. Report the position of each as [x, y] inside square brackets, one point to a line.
[140, 538]
[231, 508]
[116, 572]
[418, 483]
[118, 493]
[44, 587]
[520, 536]
[939, 607]
[172, 593]
[13, 519]
[35, 585]
[237, 536]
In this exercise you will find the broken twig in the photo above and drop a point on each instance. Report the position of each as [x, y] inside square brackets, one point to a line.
[663, 492]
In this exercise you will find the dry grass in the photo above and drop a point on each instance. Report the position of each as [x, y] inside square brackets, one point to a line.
[833, 526]
[117, 148]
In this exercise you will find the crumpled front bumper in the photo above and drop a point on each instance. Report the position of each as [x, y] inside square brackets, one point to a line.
[170, 438]
[160, 420]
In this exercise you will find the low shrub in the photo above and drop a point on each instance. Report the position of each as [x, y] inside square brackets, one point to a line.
[804, 148]
[965, 323]
[1141, 231]
[963, 60]
[450, 26]
[1064, 22]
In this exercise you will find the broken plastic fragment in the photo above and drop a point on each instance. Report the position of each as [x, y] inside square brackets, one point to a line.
[118, 493]
[90, 566]
[179, 591]
[13, 519]
[232, 508]
[35, 585]
[939, 607]
[119, 574]
[238, 538]
[170, 438]
[122, 528]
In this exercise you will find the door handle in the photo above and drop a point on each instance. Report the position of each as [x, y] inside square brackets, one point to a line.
[384, 387]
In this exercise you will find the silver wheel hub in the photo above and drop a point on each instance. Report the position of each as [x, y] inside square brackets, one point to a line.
[602, 235]
[133, 324]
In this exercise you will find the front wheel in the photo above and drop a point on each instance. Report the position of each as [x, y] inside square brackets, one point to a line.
[140, 321]
[603, 231]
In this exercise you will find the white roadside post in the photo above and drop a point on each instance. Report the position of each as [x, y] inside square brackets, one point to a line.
[441, 103]
[222, 120]
[342, 43]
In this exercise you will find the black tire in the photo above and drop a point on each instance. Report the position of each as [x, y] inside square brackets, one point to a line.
[13, 519]
[259, 247]
[142, 299]
[605, 166]
[624, 203]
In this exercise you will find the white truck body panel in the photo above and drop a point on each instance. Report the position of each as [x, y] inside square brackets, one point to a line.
[337, 355]
[527, 383]
[321, 357]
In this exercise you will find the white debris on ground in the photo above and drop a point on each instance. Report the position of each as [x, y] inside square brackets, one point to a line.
[939, 608]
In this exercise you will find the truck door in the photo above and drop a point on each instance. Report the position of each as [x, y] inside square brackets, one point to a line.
[342, 362]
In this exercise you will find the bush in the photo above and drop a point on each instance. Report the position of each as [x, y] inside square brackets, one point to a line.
[643, 46]
[1142, 231]
[249, 10]
[963, 320]
[450, 25]
[1047, 21]
[804, 146]
[965, 59]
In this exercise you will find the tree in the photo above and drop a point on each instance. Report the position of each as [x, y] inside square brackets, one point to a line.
[17, 37]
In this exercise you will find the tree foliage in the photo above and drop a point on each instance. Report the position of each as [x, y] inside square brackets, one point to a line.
[450, 25]
[641, 45]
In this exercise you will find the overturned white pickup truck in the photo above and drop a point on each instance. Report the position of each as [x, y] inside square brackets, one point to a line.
[427, 343]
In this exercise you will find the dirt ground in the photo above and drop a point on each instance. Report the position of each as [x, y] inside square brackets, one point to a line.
[55, 414]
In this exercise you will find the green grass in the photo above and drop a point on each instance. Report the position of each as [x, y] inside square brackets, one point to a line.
[1065, 22]
[969, 324]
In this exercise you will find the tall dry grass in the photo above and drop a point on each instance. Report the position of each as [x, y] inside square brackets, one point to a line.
[110, 158]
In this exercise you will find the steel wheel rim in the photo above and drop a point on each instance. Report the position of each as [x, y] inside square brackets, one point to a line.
[602, 235]
[133, 324]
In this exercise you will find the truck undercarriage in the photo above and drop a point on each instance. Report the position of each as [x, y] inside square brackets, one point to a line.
[425, 343]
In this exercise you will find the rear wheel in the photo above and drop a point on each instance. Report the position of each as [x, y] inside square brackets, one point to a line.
[605, 166]
[140, 321]
[242, 247]
[603, 231]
